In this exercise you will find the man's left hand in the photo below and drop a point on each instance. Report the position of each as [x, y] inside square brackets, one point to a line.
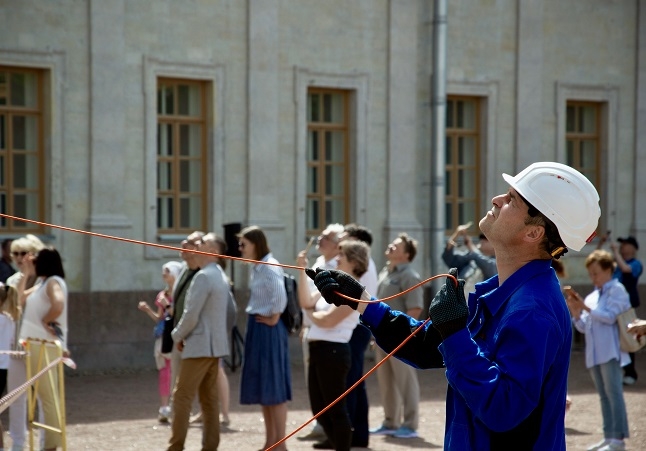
[449, 310]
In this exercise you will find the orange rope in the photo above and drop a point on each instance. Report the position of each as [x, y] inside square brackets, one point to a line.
[145, 243]
[162, 246]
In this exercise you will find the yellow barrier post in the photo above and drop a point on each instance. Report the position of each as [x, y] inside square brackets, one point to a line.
[46, 355]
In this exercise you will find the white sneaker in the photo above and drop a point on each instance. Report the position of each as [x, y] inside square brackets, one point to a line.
[599, 445]
[615, 445]
[629, 380]
[164, 414]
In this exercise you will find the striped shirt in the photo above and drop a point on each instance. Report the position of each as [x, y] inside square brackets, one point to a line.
[267, 289]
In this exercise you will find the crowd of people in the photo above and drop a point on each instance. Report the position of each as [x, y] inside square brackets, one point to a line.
[33, 300]
[501, 326]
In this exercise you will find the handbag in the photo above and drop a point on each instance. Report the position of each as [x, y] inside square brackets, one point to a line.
[167, 339]
[628, 342]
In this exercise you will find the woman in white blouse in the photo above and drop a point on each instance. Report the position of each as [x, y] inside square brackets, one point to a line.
[45, 318]
[266, 376]
[330, 355]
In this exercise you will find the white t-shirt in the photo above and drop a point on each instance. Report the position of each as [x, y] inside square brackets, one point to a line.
[36, 307]
[341, 333]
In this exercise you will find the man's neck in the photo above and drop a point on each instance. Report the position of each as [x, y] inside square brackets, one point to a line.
[393, 264]
[329, 257]
[508, 262]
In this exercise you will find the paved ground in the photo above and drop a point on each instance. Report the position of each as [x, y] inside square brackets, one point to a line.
[119, 412]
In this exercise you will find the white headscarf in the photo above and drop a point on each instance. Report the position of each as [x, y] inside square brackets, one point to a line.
[174, 269]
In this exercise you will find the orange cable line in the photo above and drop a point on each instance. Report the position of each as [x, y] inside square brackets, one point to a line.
[162, 246]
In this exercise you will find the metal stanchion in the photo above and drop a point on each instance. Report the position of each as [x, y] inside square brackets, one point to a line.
[47, 356]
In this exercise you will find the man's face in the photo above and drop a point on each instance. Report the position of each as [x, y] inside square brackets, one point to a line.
[627, 251]
[190, 243]
[327, 244]
[506, 219]
[207, 245]
[396, 251]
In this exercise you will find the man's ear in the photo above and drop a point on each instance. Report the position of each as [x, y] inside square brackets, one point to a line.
[534, 233]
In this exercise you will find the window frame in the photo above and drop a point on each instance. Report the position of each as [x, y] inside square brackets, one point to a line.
[38, 111]
[214, 76]
[322, 164]
[608, 97]
[176, 121]
[454, 134]
[577, 138]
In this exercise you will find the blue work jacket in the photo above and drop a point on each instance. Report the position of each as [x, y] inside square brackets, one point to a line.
[507, 371]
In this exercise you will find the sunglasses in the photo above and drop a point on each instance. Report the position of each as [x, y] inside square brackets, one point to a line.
[19, 254]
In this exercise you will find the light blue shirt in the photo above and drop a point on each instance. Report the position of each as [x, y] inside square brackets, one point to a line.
[600, 324]
[267, 287]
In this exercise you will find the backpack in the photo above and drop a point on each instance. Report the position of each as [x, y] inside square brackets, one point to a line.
[292, 316]
[232, 311]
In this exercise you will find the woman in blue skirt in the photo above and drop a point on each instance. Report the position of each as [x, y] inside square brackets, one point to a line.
[266, 377]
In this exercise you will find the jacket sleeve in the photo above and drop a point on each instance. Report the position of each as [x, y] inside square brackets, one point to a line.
[391, 327]
[195, 299]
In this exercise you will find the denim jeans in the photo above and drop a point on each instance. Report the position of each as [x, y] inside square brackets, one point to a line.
[608, 379]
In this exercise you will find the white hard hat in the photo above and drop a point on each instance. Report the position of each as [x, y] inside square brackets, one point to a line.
[564, 195]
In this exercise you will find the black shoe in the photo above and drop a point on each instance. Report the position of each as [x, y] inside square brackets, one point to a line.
[323, 445]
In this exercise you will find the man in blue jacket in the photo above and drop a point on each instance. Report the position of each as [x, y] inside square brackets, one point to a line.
[507, 350]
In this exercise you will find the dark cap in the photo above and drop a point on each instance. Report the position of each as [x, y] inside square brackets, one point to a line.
[629, 240]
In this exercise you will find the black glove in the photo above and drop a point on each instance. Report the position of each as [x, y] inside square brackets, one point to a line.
[449, 310]
[330, 280]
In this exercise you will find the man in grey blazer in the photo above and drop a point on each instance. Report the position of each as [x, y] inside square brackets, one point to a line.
[190, 267]
[201, 336]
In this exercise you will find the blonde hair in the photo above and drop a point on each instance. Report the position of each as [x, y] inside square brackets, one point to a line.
[27, 243]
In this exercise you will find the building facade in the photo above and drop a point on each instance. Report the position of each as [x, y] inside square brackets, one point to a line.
[148, 120]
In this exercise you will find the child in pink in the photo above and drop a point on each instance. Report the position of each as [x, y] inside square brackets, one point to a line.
[163, 302]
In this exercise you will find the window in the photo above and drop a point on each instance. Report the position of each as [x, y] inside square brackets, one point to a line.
[582, 136]
[181, 156]
[327, 159]
[462, 161]
[21, 148]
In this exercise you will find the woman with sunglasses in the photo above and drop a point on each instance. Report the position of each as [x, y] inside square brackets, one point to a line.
[22, 249]
[45, 318]
[328, 340]
[266, 377]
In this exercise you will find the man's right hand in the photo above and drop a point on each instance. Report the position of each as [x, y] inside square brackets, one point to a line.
[331, 281]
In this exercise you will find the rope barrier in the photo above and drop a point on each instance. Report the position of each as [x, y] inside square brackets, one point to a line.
[11, 397]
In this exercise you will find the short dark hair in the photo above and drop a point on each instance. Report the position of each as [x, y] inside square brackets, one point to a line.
[6, 243]
[359, 232]
[410, 245]
[258, 238]
[552, 243]
[221, 243]
[48, 263]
